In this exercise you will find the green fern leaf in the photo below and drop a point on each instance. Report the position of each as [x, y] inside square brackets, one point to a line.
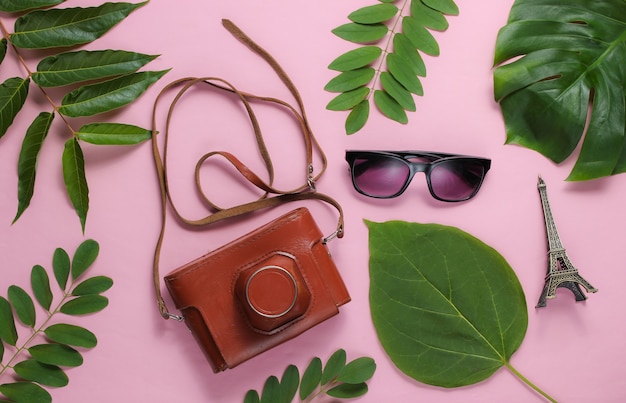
[410, 34]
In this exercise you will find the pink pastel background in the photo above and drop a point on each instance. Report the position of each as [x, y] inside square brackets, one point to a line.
[574, 351]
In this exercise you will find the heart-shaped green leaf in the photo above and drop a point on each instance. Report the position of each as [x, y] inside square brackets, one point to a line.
[68, 27]
[572, 56]
[447, 308]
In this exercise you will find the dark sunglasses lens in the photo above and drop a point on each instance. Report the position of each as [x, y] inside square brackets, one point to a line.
[456, 180]
[379, 176]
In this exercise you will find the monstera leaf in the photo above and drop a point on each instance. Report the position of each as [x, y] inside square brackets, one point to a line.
[447, 308]
[572, 73]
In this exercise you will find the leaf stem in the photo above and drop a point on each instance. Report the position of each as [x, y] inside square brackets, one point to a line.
[7, 35]
[36, 332]
[529, 383]
[386, 50]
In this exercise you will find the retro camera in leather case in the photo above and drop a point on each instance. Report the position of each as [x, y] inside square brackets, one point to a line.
[258, 291]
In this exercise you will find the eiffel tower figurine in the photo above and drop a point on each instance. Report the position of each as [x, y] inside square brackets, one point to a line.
[561, 272]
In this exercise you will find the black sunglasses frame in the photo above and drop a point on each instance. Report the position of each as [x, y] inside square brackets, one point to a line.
[434, 158]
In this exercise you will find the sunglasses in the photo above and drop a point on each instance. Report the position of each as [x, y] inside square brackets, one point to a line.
[387, 174]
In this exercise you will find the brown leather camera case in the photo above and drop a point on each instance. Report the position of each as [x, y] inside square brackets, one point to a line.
[258, 291]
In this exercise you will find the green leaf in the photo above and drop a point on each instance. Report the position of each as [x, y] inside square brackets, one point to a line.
[1, 350]
[311, 378]
[75, 180]
[419, 36]
[44, 374]
[3, 48]
[108, 95]
[40, 283]
[348, 100]
[355, 58]
[8, 332]
[445, 6]
[25, 392]
[13, 6]
[93, 285]
[71, 335]
[73, 67]
[113, 134]
[252, 397]
[271, 391]
[404, 73]
[428, 17]
[348, 391]
[27, 163]
[361, 33]
[403, 47]
[333, 366]
[61, 267]
[358, 117]
[390, 107]
[84, 305]
[350, 80]
[13, 94]
[373, 14]
[85, 255]
[577, 48]
[289, 383]
[442, 299]
[357, 371]
[68, 27]
[56, 354]
[397, 91]
[23, 305]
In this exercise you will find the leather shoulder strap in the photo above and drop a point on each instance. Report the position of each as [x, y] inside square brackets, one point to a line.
[305, 191]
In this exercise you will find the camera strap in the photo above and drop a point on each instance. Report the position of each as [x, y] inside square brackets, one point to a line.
[303, 192]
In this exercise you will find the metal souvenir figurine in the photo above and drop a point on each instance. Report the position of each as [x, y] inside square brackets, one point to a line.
[561, 272]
